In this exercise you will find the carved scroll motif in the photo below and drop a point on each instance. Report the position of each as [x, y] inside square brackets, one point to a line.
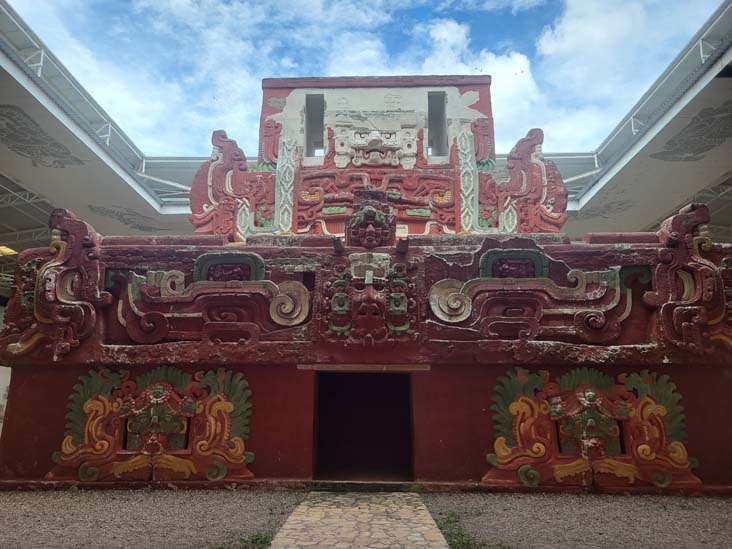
[67, 291]
[516, 299]
[228, 296]
[271, 140]
[688, 289]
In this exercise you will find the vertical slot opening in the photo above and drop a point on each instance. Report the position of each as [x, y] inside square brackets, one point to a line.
[314, 125]
[437, 124]
[621, 438]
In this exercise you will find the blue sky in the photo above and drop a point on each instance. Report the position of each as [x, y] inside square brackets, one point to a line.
[171, 71]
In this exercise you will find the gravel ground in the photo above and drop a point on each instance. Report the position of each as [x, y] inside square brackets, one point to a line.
[139, 518]
[528, 521]
[202, 518]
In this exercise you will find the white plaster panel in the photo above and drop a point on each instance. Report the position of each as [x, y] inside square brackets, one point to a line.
[382, 108]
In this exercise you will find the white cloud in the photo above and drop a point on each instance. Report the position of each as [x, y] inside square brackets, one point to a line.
[186, 67]
[515, 6]
[142, 103]
[444, 48]
[600, 56]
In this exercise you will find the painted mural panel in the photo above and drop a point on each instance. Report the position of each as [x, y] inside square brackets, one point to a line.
[161, 425]
[590, 429]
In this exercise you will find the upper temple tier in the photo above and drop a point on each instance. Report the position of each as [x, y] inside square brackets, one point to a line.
[425, 142]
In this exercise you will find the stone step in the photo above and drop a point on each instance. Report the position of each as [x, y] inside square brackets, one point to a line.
[349, 519]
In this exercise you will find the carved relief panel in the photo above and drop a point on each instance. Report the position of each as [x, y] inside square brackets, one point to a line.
[587, 429]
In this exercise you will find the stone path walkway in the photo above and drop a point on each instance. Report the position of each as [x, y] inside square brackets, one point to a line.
[374, 520]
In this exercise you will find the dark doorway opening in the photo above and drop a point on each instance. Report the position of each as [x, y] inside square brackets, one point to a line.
[364, 429]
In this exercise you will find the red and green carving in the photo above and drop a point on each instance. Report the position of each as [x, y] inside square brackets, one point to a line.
[228, 299]
[370, 302]
[163, 425]
[529, 198]
[63, 287]
[372, 223]
[421, 199]
[586, 428]
[226, 198]
[523, 293]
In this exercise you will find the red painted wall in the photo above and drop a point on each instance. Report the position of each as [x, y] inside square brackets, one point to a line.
[451, 419]
[34, 421]
[282, 422]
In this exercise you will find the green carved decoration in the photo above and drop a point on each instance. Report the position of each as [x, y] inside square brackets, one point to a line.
[96, 382]
[585, 376]
[418, 212]
[539, 260]
[514, 383]
[204, 262]
[177, 378]
[489, 221]
[262, 221]
[150, 397]
[663, 391]
[398, 304]
[266, 166]
[528, 476]
[237, 391]
[217, 471]
[340, 303]
[588, 427]
[339, 331]
[486, 165]
[641, 273]
[402, 329]
[334, 210]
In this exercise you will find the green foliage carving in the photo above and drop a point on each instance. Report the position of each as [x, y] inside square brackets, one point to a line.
[96, 382]
[178, 379]
[515, 383]
[663, 391]
[102, 382]
[585, 376]
[266, 166]
[236, 389]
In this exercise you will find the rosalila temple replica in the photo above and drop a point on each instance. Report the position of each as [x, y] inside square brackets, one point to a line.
[375, 298]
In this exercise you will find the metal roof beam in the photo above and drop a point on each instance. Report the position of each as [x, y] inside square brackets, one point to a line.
[28, 235]
[12, 199]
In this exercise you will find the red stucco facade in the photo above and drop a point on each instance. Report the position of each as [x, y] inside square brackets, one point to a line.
[530, 361]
